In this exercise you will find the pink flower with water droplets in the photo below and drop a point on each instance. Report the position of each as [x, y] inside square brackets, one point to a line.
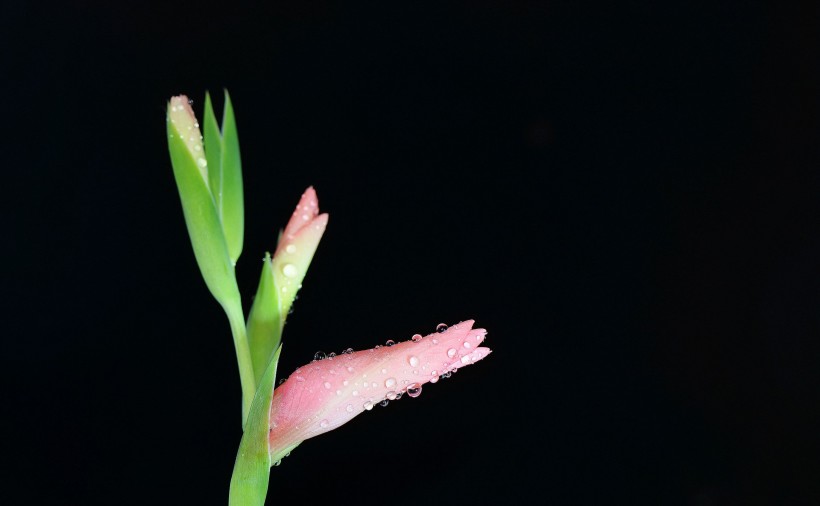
[326, 394]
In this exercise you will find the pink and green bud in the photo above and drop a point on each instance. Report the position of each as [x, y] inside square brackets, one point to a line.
[281, 279]
[201, 214]
[328, 393]
[297, 246]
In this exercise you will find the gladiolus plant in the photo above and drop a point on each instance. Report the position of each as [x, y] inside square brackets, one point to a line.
[331, 390]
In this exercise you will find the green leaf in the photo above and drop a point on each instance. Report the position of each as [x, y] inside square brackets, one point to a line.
[204, 226]
[232, 210]
[251, 472]
[213, 152]
[265, 321]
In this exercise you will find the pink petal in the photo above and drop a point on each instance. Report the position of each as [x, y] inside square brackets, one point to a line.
[326, 394]
[306, 211]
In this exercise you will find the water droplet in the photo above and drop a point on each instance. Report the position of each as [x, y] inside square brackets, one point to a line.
[299, 378]
[347, 351]
[466, 344]
[284, 289]
[289, 270]
[355, 393]
[202, 162]
[281, 380]
[451, 352]
[414, 390]
[390, 342]
[465, 359]
[290, 249]
[416, 338]
[327, 385]
[434, 379]
[413, 361]
[368, 405]
[349, 369]
[435, 341]
[277, 462]
[384, 403]
[331, 355]
[446, 375]
[441, 327]
[319, 355]
[197, 148]
[338, 392]
[345, 382]
[391, 395]
[349, 408]
[389, 382]
[324, 423]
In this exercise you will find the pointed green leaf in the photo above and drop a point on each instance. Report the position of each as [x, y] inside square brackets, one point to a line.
[265, 321]
[204, 227]
[213, 152]
[232, 211]
[251, 472]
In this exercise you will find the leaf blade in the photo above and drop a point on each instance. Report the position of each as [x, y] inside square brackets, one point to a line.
[251, 472]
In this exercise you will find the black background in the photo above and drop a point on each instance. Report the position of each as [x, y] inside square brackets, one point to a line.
[624, 194]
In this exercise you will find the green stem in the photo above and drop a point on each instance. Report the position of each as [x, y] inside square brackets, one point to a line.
[243, 357]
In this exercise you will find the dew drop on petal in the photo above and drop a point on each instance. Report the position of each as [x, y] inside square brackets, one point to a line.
[324, 423]
[416, 338]
[347, 351]
[202, 162]
[290, 248]
[319, 355]
[349, 369]
[390, 342]
[389, 382]
[355, 393]
[446, 375]
[368, 405]
[414, 390]
[465, 359]
[435, 341]
[413, 361]
[349, 408]
[338, 392]
[345, 382]
[299, 378]
[441, 327]
[327, 385]
[391, 395]
[451, 352]
[384, 403]
[467, 345]
[289, 270]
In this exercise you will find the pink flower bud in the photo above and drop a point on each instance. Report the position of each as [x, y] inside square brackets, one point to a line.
[297, 246]
[326, 394]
